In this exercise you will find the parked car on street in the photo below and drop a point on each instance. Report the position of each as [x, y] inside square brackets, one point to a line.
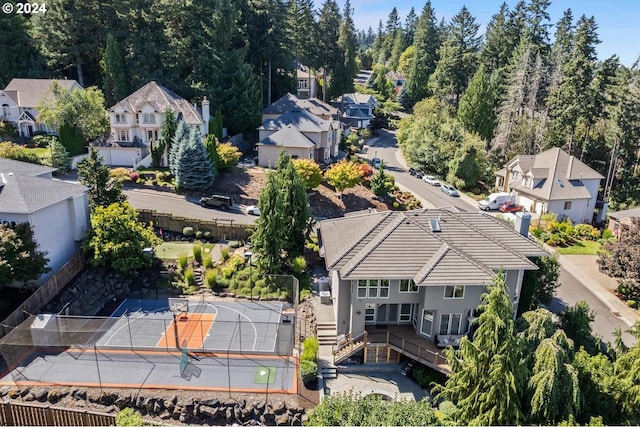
[449, 190]
[376, 162]
[430, 179]
[510, 207]
[216, 201]
[253, 210]
[415, 172]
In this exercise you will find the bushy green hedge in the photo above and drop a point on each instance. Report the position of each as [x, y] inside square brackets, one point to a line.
[308, 371]
[310, 351]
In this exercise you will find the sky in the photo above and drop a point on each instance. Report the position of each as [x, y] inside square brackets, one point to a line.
[618, 20]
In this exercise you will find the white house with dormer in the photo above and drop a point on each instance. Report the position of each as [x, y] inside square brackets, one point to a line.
[19, 99]
[136, 123]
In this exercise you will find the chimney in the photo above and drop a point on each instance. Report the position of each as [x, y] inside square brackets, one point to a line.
[205, 114]
[569, 167]
[523, 220]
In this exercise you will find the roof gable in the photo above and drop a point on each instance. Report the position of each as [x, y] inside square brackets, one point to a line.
[25, 194]
[288, 136]
[17, 167]
[29, 92]
[299, 118]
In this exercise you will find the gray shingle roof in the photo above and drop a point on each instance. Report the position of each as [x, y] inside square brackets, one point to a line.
[161, 99]
[561, 175]
[357, 98]
[28, 92]
[299, 118]
[23, 168]
[629, 213]
[288, 136]
[468, 249]
[290, 102]
[26, 194]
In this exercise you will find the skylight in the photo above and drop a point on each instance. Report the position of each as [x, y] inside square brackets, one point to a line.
[560, 183]
[435, 225]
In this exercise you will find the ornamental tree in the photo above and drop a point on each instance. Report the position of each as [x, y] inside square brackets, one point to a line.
[228, 156]
[309, 171]
[117, 239]
[20, 258]
[103, 189]
[343, 175]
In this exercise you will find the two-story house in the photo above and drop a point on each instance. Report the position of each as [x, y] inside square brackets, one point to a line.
[425, 269]
[552, 181]
[136, 122]
[356, 109]
[57, 211]
[312, 119]
[19, 99]
[306, 84]
[397, 78]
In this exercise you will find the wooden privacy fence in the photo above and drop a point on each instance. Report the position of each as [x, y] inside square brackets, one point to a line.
[22, 414]
[220, 228]
[44, 293]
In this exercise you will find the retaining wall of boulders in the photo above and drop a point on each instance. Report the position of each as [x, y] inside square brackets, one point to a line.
[210, 411]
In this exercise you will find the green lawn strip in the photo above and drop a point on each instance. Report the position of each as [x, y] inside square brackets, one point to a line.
[581, 247]
[174, 250]
[42, 153]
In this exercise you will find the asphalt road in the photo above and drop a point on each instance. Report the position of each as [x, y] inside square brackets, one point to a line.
[188, 207]
[572, 291]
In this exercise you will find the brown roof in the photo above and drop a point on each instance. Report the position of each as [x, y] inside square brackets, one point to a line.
[561, 175]
[161, 99]
[27, 93]
[469, 247]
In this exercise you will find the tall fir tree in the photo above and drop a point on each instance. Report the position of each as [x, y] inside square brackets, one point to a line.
[345, 67]
[19, 56]
[426, 43]
[180, 138]
[328, 25]
[194, 171]
[114, 82]
[477, 104]
[103, 189]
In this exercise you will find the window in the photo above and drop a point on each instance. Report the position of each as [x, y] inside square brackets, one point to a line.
[6, 110]
[302, 84]
[527, 181]
[373, 288]
[427, 322]
[450, 324]
[454, 292]
[148, 118]
[369, 313]
[567, 206]
[121, 118]
[408, 285]
[405, 312]
[123, 135]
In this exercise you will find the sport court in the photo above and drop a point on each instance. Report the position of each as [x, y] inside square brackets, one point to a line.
[197, 344]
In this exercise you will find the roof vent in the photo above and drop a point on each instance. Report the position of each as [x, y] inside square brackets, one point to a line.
[435, 225]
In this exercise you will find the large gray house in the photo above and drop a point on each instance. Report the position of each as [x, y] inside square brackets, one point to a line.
[425, 268]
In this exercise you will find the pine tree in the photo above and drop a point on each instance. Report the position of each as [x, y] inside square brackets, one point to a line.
[193, 169]
[179, 140]
[345, 68]
[379, 182]
[476, 111]
[211, 143]
[426, 42]
[58, 156]
[114, 83]
[458, 58]
[103, 189]
[167, 133]
[486, 376]
[19, 56]
[328, 25]
[496, 52]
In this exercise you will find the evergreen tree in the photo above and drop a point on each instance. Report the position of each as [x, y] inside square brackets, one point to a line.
[19, 56]
[626, 368]
[284, 223]
[426, 42]
[476, 111]
[379, 182]
[496, 52]
[167, 133]
[20, 258]
[302, 32]
[469, 164]
[328, 26]
[410, 26]
[193, 169]
[103, 189]
[345, 68]
[58, 156]
[114, 83]
[180, 138]
[211, 143]
[216, 126]
[458, 58]
[486, 376]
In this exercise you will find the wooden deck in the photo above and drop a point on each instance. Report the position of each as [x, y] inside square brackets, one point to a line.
[404, 340]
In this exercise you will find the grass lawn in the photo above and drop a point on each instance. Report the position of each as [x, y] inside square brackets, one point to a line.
[581, 247]
[40, 152]
[174, 250]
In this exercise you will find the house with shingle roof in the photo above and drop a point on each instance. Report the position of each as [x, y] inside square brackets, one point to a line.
[306, 83]
[290, 139]
[552, 181]
[619, 220]
[57, 211]
[19, 99]
[136, 123]
[356, 109]
[425, 269]
[322, 133]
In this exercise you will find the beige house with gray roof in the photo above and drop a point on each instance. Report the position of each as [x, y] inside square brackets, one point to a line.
[426, 269]
[552, 181]
[19, 99]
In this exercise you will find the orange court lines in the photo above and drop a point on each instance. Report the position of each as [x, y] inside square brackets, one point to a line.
[191, 328]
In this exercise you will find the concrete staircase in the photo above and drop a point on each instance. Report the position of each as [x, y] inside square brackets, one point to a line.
[327, 333]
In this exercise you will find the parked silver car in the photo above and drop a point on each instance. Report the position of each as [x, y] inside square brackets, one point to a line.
[449, 190]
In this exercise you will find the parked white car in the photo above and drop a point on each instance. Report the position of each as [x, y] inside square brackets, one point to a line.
[252, 210]
[430, 179]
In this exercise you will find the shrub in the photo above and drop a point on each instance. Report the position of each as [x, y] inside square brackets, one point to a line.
[607, 234]
[120, 174]
[299, 264]
[134, 176]
[43, 141]
[224, 253]
[210, 278]
[183, 261]
[129, 417]
[587, 231]
[207, 235]
[207, 262]
[235, 244]
[308, 371]
[236, 261]
[197, 253]
[396, 205]
[310, 351]
[631, 303]
[189, 277]
[188, 231]
[305, 293]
